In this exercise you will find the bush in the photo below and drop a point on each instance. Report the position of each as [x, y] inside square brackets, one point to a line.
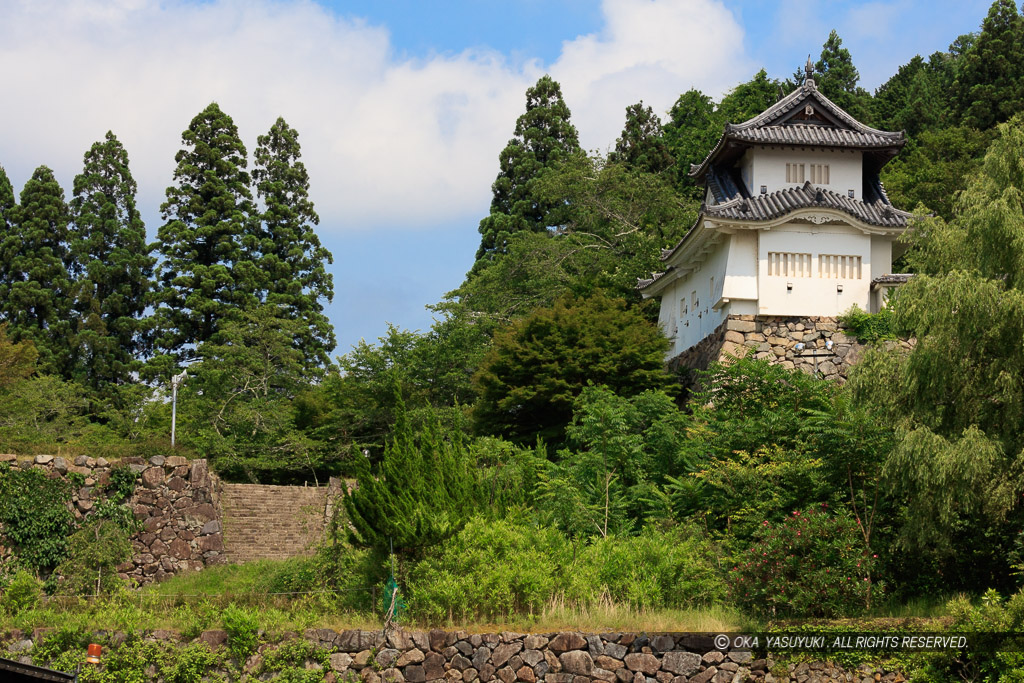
[657, 569]
[994, 619]
[94, 552]
[22, 593]
[490, 569]
[870, 327]
[814, 564]
[242, 627]
[35, 517]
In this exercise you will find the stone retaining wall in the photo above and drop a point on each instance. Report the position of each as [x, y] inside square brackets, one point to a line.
[829, 351]
[568, 657]
[175, 499]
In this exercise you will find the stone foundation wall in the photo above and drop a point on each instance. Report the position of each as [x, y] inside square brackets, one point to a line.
[175, 499]
[775, 338]
[568, 657]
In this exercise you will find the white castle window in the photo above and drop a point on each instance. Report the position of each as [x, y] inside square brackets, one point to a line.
[839, 266]
[794, 173]
[789, 264]
[819, 174]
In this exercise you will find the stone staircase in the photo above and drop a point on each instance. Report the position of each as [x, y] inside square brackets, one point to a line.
[271, 522]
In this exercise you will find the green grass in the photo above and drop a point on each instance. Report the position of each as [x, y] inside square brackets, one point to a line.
[193, 601]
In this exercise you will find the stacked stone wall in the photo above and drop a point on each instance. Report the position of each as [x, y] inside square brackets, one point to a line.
[567, 657]
[829, 350]
[175, 500]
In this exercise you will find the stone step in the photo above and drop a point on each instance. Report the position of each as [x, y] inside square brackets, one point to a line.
[271, 522]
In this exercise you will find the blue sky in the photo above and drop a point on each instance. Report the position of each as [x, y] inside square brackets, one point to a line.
[402, 106]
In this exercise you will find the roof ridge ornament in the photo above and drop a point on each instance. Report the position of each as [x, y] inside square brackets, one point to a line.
[809, 71]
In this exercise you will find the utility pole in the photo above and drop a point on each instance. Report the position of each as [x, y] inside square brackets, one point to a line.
[176, 381]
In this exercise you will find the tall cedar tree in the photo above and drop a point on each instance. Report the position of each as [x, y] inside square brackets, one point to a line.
[34, 283]
[291, 258]
[838, 78]
[990, 85]
[642, 146]
[6, 202]
[543, 136]
[112, 266]
[424, 493]
[208, 268]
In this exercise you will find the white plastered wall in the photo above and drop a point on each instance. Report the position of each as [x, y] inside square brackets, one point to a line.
[682, 321]
[769, 168]
[813, 295]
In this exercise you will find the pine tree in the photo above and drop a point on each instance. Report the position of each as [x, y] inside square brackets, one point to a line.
[112, 266]
[291, 257]
[34, 282]
[424, 493]
[989, 86]
[642, 144]
[208, 267]
[543, 136]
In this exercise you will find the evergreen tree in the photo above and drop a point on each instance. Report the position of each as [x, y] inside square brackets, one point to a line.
[291, 259]
[747, 100]
[990, 85]
[543, 136]
[207, 271]
[838, 78]
[6, 202]
[642, 144]
[424, 493]
[34, 282]
[112, 265]
[690, 133]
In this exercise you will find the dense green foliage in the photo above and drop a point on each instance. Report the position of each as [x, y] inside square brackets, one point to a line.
[208, 268]
[424, 493]
[543, 136]
[538, 365]
[112, 268]
[291, 258]
[529, 449]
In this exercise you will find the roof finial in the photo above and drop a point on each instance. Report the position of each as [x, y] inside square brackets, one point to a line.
[809, 70]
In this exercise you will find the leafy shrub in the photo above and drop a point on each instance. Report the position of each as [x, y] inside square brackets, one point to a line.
[288, 662]
[995, 618]
[35, 517]
[190, 664]
[490, 569]
[94, 552]
[121, 484]
[812, 564]
[656, 569]
[242, 626]
[870, 327]
[22, 593]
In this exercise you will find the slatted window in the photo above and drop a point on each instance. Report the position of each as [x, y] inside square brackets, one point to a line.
[839, 266]
[819, 174]
[789, 264]
[794, 173]
[694, 301]
[683, 310]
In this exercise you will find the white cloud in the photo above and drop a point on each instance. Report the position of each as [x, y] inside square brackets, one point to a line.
[388, 140]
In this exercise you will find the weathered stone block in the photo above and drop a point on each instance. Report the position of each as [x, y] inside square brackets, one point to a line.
[576, 662]
[740, 325]
[681, 663]
[567, 641]
[644, 663]
[502, 653]
[413, 656]
[153, 477]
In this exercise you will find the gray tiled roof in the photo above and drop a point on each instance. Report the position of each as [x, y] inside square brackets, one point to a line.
[768, 206]
[892, 279]
[770, 127]
[642, 283]
[819, 136]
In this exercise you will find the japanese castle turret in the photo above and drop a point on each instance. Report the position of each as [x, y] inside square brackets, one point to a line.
[795, 229]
